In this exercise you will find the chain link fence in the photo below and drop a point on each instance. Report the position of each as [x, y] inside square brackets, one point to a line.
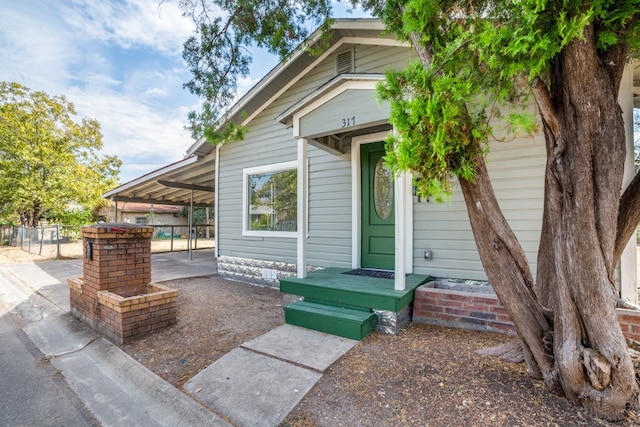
[65, 241]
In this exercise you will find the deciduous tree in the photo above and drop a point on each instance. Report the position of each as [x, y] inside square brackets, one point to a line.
[474, 57]
[48, 157]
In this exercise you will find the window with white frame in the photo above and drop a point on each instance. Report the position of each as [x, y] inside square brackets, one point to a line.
[270, 198]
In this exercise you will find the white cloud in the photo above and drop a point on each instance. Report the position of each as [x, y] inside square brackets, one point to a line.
[136, 133]
[117, 61]
[131, 23]
[33, 47]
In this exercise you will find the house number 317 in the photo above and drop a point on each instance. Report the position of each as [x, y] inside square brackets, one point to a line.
[349, 121]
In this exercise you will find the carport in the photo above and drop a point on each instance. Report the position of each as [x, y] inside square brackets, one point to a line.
[187, 182]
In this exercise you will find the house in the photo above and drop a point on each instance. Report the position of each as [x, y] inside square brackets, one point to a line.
[145, 214]
[305, 196]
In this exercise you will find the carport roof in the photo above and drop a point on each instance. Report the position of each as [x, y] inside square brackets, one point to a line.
[173, 184]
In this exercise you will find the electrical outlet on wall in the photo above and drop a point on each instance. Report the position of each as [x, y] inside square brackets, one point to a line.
[269, 273]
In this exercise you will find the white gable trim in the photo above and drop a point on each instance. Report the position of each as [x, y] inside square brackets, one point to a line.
[319, 59]
[366, 83]
[329, 91]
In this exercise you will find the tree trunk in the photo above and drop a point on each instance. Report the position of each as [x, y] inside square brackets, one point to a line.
[584, 132]
[35, 214]
[567, 320]
[507, 268]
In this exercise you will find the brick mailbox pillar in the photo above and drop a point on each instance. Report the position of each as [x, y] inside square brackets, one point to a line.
[115, 295]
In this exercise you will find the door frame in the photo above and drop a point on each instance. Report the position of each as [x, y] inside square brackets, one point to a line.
[372, 227]
[403, 206]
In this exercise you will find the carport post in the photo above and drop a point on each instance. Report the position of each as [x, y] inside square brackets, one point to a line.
[190, 239]
[115, 212]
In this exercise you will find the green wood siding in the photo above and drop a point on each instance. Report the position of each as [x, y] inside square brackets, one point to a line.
[350, 110]
[517, 172]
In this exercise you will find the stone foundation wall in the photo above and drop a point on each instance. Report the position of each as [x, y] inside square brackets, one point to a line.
[390, 322]
[257, 272]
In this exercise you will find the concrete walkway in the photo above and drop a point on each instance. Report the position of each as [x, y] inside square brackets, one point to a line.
[256, 384]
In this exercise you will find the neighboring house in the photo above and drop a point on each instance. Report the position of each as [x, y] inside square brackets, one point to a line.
[307, 189]
[145, 214]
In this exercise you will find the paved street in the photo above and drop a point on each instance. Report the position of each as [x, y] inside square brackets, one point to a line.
[32, 392]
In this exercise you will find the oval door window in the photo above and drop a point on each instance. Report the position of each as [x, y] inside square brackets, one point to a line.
[382, 190]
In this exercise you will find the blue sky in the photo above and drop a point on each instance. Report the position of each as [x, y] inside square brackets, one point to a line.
[117, 61]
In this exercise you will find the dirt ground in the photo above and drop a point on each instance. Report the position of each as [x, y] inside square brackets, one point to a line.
[214, 317]
[425, 376]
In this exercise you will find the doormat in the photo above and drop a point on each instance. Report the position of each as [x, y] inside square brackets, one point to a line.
[380, 274]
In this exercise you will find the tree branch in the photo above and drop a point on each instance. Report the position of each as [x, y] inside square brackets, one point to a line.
[424, 52]
[628, 216]
[547, 110]
[615, 58]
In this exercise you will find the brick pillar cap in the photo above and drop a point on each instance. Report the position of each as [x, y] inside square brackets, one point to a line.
[116, 227]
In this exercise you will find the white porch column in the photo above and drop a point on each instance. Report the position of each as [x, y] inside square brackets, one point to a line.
[302, 208]
[216, 202]
[628, 262]
[402, 184]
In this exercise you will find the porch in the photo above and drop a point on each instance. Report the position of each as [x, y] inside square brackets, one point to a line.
[349, 305]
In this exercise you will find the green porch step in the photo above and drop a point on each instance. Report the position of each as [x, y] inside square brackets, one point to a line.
[340, 321]
[332, 285]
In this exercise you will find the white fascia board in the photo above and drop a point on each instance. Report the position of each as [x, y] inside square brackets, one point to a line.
[333, 88]
[325, 97]
[196, 146]
[275, 72]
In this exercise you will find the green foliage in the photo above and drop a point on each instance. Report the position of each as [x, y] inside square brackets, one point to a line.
[199, 215]
[217, 53]
[478, 59]
[475, 59]
[74, 217]
[435, 135]
[47, 157]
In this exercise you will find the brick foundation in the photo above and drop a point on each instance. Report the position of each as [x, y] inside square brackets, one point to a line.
[483, 312]
[115, 295]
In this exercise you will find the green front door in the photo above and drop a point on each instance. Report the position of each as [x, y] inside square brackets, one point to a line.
[378, 213]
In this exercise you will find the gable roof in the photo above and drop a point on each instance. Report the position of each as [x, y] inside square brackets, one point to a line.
[289, 71]
[172, 184]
